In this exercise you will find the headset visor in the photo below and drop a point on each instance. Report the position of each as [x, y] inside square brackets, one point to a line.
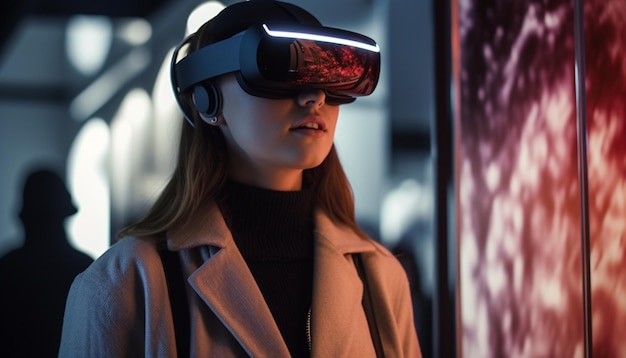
[278, 63]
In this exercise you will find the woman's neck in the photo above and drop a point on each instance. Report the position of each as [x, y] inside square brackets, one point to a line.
[278, 179]
[267, 222]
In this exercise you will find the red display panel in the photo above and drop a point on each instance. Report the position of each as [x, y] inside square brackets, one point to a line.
[605, 57]
[517, 177]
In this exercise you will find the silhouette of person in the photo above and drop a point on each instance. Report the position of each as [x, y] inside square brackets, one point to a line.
[35, 279]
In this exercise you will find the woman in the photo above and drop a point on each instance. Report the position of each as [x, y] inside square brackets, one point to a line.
[258, 216]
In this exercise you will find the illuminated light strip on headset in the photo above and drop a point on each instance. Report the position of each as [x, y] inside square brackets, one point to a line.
[329, 39]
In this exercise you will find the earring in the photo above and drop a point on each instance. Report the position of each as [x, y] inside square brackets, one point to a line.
[214, 120]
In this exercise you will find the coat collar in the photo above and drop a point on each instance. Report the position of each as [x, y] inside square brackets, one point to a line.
[211, 230]
[207, 229]
[338, 325]
[227, 286]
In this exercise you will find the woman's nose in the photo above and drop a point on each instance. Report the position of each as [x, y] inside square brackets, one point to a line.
[311, 98]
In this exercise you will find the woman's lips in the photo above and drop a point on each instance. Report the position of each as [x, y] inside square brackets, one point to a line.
[310, 126]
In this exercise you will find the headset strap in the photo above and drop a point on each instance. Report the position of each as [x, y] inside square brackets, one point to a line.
[178, 300]
[368, 307]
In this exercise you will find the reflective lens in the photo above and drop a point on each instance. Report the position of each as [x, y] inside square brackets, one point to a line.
[334, 67]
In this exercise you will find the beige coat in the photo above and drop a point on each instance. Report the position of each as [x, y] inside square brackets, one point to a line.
[119, 307]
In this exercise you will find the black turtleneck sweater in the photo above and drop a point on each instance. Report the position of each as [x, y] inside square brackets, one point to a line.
[274, 232]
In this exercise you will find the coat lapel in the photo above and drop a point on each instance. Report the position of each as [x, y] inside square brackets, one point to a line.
[338, 324]
[226, 285]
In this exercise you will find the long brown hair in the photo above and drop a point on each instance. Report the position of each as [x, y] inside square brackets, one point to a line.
[202, 170]
[202, 164]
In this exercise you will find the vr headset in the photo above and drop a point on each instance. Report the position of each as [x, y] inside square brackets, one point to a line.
[282, 61]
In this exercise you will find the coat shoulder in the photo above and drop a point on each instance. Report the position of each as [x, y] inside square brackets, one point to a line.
[382, 257]
[107, 303]
[126, 263]
[385, 267]
[125, 255]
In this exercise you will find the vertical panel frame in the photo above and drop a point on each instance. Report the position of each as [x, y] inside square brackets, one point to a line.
[583, 177]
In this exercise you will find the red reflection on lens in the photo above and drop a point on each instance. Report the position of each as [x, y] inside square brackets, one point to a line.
[319, 63]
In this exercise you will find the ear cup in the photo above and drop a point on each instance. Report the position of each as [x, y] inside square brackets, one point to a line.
[207, 99]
